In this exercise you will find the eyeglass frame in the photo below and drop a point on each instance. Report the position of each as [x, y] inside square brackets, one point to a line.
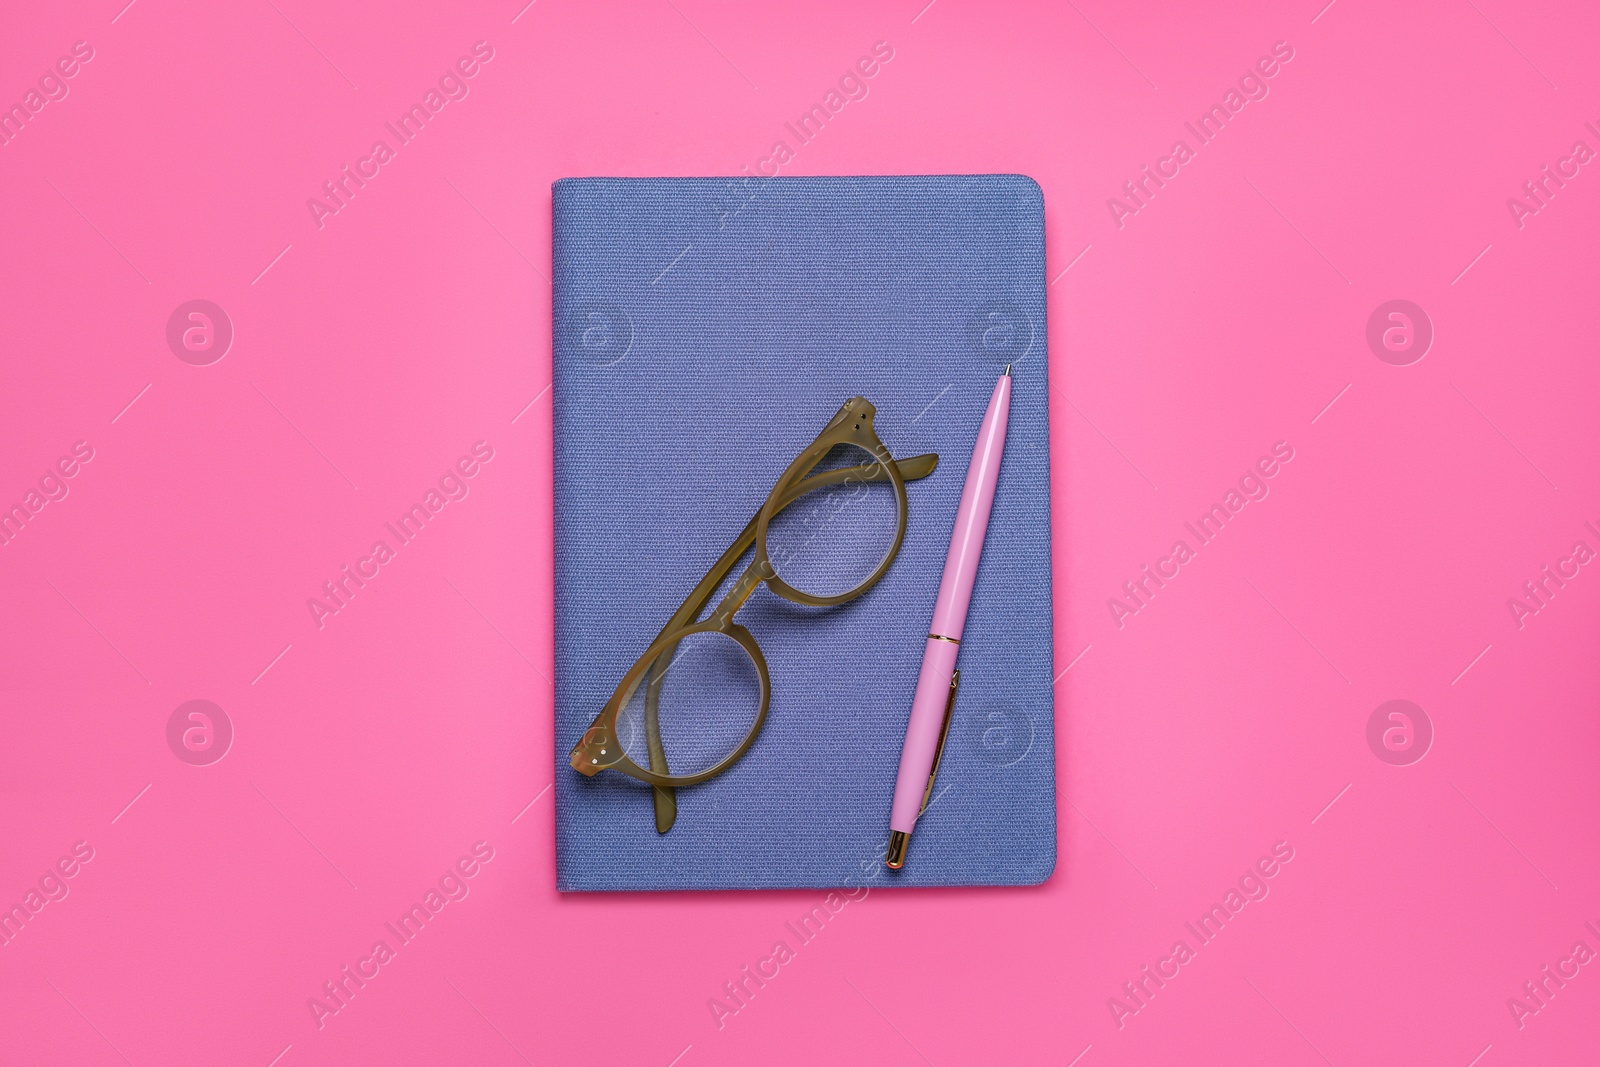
[599, 748]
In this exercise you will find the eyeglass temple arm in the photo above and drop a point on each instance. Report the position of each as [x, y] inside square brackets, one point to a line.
[665, 800]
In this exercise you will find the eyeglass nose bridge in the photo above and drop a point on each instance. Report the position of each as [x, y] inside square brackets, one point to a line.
[760, 570]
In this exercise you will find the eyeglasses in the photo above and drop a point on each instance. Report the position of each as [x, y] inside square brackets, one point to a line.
[829, 530]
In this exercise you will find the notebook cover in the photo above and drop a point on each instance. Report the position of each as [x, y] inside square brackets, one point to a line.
[705, 331]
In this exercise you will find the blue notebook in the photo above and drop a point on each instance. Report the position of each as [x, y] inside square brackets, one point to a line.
[705, 332]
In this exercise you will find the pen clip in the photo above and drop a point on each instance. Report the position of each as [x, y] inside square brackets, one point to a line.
[944, 735]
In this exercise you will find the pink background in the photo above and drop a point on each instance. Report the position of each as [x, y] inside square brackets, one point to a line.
[1228, 714]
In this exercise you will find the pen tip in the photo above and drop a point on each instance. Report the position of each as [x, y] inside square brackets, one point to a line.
[1007, 371]
[898, 840]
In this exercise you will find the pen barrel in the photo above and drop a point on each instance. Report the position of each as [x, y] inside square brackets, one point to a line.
[972, 517]
[922, 733]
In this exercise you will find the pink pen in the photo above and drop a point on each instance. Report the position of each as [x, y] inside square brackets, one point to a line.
[936, 686]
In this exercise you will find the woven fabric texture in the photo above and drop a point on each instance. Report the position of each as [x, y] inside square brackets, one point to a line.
[705, 331]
